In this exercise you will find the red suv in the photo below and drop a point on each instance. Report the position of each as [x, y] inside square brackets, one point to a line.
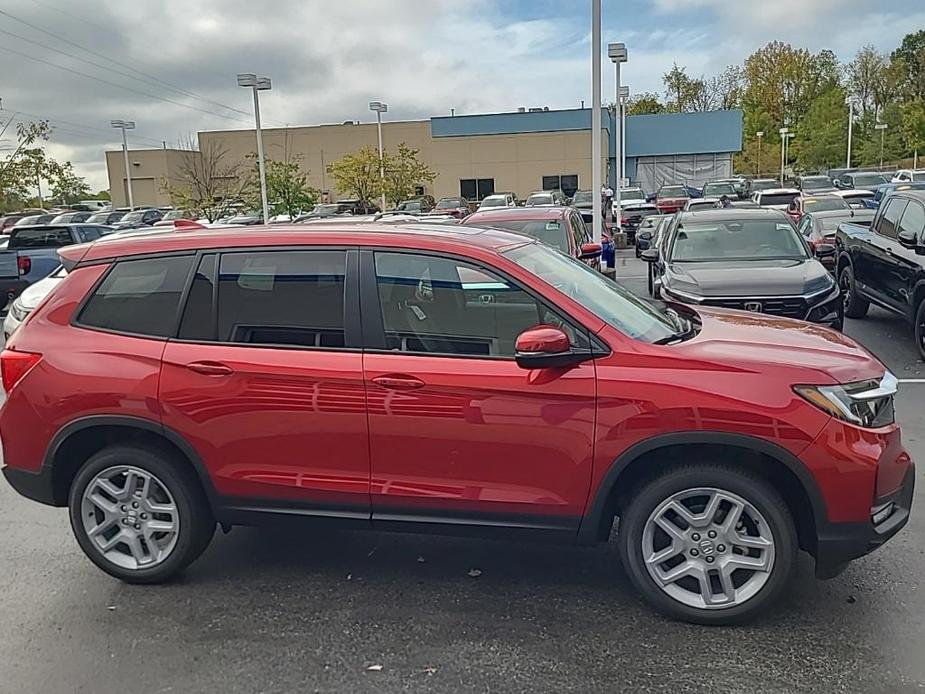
[456, 379]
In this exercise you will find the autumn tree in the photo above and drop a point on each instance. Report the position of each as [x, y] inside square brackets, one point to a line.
[357, 175]
[910, 58]
[679, 89]
[404, 172]
[641, 104]
[209, 183]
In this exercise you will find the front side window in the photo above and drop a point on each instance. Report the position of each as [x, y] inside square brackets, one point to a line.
[141, 297]
[893, 210]
[293, 298]
[443, 306]
[913, 220]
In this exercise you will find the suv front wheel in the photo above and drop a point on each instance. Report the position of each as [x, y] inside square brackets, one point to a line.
[138, 514]
[707, 544]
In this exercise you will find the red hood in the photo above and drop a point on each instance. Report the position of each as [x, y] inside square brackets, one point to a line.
[750, 341]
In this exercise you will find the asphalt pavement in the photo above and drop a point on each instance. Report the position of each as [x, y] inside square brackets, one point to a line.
[295, 611]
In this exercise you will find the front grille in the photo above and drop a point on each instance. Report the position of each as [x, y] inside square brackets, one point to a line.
[789, 307]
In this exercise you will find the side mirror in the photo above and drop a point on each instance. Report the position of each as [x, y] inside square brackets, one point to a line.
[590, 250]
[650, 255]
[824, 250]
[907, 239]
[544, 346]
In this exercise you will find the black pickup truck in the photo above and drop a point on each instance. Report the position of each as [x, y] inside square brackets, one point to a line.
[883, 261]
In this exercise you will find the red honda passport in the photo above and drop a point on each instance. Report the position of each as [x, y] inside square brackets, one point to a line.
[449, 379]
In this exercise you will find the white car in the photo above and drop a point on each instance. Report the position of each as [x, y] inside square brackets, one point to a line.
[629, 196]
[700, 204]
[855, 197]
[500, 200]
[909, 176]
[31, 297]
[775, 198]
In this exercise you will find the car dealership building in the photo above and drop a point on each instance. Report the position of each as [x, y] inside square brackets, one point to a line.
[475, 155]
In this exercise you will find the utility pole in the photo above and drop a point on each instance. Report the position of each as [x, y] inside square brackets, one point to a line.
[596, 186]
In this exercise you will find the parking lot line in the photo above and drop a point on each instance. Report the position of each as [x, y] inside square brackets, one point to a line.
[911, 380]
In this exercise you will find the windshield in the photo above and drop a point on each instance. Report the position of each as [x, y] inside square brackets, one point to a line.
[673, 192]
[324, 210]
[101, 218]
[830, 224]
[542, 199]
[816, 183]
[173, 215]
[582, 196]
[829, 202]
[410, 206]
[717, 190]
[450, 204]
[552, 233]
[134, 216]
[493, 202]
[632, 194]
[778, 198]
[763, 185]
[736, 240]
[868, 180]
[635, 317]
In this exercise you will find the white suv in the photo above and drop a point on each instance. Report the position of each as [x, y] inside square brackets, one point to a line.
[909, 175]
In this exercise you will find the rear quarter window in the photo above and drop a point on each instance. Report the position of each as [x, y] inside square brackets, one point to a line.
[42, 237]
[140, 297]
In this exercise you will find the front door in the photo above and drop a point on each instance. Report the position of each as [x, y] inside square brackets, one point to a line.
[265, 381]
[458, 432]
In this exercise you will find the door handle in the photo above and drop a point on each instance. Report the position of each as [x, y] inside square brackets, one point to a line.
[398, 382]
[210, 368]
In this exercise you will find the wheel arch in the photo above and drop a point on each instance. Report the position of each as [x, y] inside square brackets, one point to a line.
[648, 457]
[81, 438]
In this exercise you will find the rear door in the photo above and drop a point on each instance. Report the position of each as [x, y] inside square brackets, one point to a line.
[265, 380]
[458, 432]
[877, 262]
[907, 264]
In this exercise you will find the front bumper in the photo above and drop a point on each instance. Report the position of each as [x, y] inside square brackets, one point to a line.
[839, 543]
[826, 310]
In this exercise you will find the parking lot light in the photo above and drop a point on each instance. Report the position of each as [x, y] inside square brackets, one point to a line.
[851, 102]
[596, 187]
[379, 108]
[258, 84]
[783, 152]
[618, 55]
[624, 99]
[882, 128]
[759, 135]
[124, 125]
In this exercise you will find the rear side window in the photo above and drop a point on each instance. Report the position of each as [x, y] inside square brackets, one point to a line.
[141, 297]
[293, 298]
[41, 237]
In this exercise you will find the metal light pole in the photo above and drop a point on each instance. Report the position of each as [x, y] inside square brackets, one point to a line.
[851, 102]
[882, 128]
[783, 144]
[618, 55]
[124, 125]
[258, 84]
[380, 108]
[624, 98]
[597, 221]
[759, 135]
[788, 137]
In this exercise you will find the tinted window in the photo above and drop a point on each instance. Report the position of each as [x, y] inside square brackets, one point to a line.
[868, 180]
[198, 322]
[139, 296]
[892, 211]
[552, 232]
[579, 231]
[41, 237]
[777, 198]
[88, 233]
[435, 305]
[913, 219]
[831, 202]
[282, 298]
[735, 240]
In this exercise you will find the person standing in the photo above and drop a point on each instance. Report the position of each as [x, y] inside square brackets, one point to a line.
[607, 201]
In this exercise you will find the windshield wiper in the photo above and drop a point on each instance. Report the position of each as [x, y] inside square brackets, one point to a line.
[685, 329]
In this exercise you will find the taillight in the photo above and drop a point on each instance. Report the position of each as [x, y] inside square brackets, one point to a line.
[15, 365]
[25, 264]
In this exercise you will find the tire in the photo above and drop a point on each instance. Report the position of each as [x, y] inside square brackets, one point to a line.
[856, 306]
[756, 590]
[920, 329]
[651, 282]
[176, 490]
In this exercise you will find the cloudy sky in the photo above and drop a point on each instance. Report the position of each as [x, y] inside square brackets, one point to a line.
[170, 65]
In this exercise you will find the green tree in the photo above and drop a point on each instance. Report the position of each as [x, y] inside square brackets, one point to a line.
[680, 89]
[821, 139]
[644, 103]
[66, 186]
[865, 76]
[26, 162]
[357, 175]
[910, 56]
[102, 195]
[288, 191]
[912, 125]
[403, 173]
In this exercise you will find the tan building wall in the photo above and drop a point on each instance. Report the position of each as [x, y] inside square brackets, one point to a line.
[516, 162]
[151, 169]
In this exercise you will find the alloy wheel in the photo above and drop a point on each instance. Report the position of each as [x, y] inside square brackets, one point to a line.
[130, 517]
[844, 284]
[708, 548]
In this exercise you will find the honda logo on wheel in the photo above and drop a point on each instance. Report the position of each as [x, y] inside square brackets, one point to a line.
[753, 306]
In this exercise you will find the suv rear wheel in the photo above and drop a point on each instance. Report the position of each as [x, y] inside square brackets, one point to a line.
[920, 328]
[138, 514]
[855, 305]
[707, 544]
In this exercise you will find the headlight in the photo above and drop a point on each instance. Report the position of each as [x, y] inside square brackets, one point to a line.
[18, 311]
[864, 403]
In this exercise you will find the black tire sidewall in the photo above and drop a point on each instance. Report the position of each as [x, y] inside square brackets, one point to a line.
[196, 522]
[917, 330]
[754, 490]
[858, 305]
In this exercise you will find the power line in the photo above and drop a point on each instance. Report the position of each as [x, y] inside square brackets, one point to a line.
[150, 77]
[83, 126]
[119, 86]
